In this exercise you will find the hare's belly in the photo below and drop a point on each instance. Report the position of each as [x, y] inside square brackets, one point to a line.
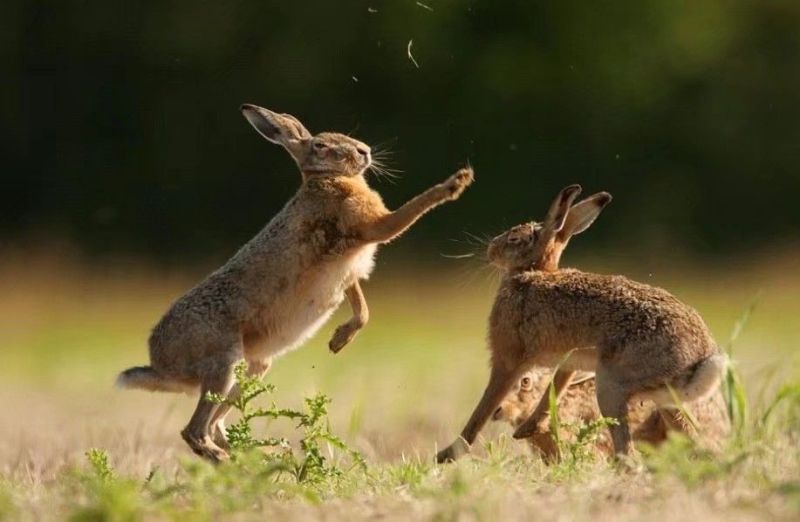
[311, 303]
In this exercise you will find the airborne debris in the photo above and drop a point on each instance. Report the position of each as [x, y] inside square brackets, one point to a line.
[457, 256]
[372, 10]
[429, 8]
[411, 56]
[354, 79]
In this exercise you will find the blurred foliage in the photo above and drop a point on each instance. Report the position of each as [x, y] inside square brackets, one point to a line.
[120, 125]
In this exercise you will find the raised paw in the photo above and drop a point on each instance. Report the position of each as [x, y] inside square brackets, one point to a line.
[458, 183]
[342, 336]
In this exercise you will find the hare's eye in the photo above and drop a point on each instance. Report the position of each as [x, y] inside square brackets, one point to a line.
[525, 383]
[320, 146]
[513, 239]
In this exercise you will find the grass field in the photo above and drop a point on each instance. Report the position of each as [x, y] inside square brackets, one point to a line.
[400, 390]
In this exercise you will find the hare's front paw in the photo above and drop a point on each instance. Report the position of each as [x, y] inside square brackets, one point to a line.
[343, 335]
[453, 452]
[532, 427]
[458, 183]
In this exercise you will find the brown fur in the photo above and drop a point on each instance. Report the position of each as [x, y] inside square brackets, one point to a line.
[640, 340]
[281, 286]
[578, 405]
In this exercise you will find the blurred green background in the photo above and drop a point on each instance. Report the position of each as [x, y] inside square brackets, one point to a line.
[121, 132]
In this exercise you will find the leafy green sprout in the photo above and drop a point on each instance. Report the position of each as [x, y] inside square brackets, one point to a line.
[586, 434]
[98, 461]
[309, 464]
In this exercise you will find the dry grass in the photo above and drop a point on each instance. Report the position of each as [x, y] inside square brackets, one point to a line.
[402, 388]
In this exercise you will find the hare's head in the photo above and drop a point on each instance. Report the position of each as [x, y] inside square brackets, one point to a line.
[531, 388]
[520, 402]
[326, 154]
[538, 246]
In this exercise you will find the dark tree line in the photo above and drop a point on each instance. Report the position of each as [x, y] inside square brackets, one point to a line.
[121, 132]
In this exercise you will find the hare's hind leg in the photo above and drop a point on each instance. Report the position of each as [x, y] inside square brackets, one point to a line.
[500, 382]
[196, 434]
[255, 368]
[613, 402]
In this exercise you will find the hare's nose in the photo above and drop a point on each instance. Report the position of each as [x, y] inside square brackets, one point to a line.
[363, 152]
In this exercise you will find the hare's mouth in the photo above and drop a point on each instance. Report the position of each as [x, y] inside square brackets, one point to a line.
[365, 158]
[498, 414]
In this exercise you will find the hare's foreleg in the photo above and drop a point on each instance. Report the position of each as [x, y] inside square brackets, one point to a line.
[613, 402]
[561, 381]
[395, 223]
[255, 368]
[347, 331]
[500, 382]
[196, 434]
[545, 445]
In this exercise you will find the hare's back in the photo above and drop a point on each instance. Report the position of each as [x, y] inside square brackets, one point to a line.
[622, 308]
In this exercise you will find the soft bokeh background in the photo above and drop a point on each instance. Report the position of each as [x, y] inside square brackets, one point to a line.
[121, 130]
[128, 173]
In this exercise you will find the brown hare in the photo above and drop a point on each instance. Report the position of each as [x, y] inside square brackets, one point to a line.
[281, 286]
[640, 341]
[578, 404]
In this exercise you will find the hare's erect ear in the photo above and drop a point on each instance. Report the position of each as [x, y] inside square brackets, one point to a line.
[583, 214]
[559, 208]
[282, 129]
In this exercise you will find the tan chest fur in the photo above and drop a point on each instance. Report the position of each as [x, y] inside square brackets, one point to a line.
[329, 259]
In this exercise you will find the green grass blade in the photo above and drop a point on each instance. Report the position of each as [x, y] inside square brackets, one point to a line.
[734, 392]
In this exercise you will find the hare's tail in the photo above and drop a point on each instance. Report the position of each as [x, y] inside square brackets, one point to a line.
[146, 378]
[702, 382]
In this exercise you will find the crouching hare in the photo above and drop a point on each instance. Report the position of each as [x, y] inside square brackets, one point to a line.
[578, 405]
[281, 286]
[641, 342]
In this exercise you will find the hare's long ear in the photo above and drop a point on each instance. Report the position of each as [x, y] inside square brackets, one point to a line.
[583, 214]
[282, 129]
[559, 208]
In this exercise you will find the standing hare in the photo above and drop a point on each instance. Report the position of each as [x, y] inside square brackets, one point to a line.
[639, 340]
[281, 286]
[578, 405]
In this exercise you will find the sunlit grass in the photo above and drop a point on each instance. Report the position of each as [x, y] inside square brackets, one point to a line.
[403, 387]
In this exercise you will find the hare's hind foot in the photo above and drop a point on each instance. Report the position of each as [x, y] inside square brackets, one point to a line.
[205, 447]
[220, 436]
[613, 402]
